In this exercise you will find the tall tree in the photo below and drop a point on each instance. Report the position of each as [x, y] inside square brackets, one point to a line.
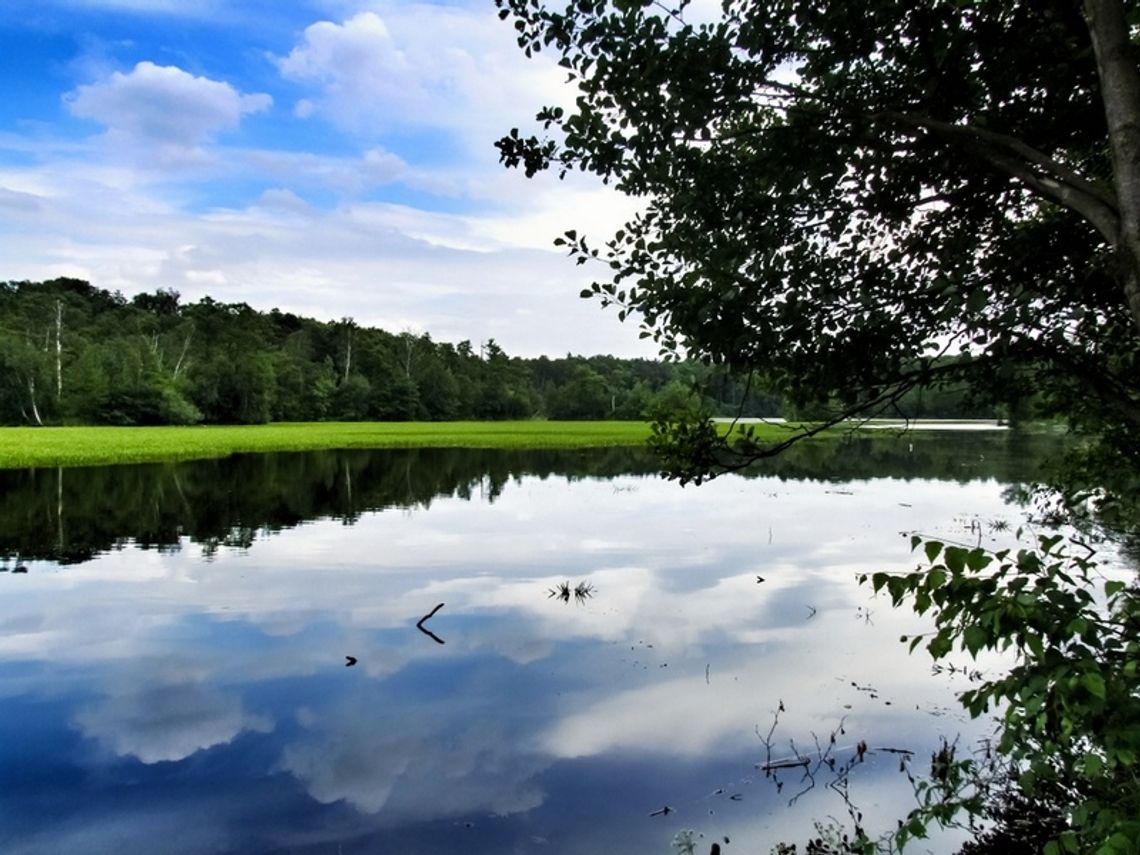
[835, 194]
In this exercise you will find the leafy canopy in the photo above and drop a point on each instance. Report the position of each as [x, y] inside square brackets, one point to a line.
[836, 193]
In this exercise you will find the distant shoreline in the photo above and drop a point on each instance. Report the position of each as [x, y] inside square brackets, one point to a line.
[36, 447]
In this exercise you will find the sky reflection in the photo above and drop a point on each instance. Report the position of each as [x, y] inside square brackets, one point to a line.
[197, 699]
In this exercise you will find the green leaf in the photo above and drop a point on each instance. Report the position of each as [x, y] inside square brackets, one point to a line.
[1036, 646]
[977, 560]
[1121, 843]
[1093, 765]
[955, 559]
[1094, 682]
[975, 639]
[933, 547]
[1111, 589]
[941, 644]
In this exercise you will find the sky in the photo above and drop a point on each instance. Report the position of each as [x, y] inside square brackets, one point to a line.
[332, 158]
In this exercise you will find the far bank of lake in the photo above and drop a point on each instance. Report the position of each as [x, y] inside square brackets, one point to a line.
[30, 447]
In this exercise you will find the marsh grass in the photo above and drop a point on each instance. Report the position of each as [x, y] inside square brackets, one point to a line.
[80, 446]
[580, 593]
[25, 447]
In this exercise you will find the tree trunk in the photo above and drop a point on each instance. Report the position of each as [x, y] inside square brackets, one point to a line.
[58, 350]
[409, 353]
[348, 356]
[182, 355]
[1120, 92]
[32, 397]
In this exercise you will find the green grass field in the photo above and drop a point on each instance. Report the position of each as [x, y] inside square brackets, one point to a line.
[24, 447]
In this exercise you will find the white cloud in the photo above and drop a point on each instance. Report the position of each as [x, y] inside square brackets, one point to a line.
[421, 66]
[305, 230]
[164, 104]
[18, 203]
[283, 199]
[455, 276]
[345, 175]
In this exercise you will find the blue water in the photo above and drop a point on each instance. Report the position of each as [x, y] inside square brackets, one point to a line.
[196, 699]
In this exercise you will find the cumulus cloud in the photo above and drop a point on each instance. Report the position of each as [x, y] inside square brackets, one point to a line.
[457, 276]
[164, 104]
[420, 66]
[334, 232]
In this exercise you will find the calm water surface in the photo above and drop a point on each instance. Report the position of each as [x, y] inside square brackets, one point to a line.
[173, 661]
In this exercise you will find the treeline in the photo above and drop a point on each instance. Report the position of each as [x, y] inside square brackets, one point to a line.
[74, 353]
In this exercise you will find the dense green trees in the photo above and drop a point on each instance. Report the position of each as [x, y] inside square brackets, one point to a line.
[73, 353]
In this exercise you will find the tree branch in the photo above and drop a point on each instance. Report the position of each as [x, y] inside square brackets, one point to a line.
[1051, 178]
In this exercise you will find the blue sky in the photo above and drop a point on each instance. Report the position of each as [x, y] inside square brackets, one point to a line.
[330, 157]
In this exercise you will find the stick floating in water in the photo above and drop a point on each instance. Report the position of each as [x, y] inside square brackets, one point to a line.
[420, 624]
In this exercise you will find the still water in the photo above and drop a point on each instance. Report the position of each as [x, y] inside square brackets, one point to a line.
[174, 653]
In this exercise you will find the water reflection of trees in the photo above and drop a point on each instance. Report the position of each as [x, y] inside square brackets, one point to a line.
[1006, 456]
[70, 515]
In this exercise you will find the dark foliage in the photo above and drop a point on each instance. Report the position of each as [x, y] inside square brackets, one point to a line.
[72, 353]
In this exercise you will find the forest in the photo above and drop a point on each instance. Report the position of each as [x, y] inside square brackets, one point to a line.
[73, 353]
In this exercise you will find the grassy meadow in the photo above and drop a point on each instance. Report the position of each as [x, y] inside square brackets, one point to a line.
[25, 447]
[22, 447]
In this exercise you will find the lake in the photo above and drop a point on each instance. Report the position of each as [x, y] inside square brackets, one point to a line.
[610, 659]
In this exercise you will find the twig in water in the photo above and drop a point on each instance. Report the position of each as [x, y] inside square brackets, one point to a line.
[784, 764]
[420, 624]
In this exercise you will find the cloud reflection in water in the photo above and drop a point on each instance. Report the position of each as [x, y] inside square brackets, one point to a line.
[162, 722]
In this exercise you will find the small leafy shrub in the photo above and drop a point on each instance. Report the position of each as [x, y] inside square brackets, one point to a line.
[1069, 706]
